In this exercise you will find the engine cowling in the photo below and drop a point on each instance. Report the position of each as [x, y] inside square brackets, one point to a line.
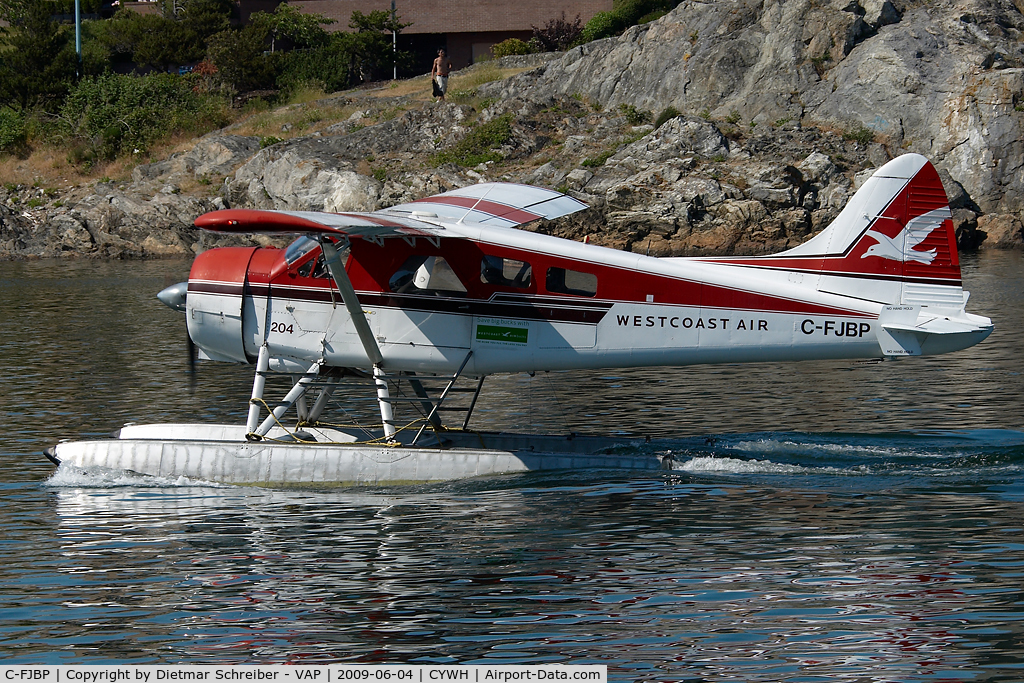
[213, 309]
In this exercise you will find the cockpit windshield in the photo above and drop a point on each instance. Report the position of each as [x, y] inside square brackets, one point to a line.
[299, 248]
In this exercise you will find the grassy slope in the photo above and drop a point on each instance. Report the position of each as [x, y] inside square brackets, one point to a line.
[306, 112]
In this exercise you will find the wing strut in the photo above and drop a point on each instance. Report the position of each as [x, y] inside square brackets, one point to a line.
[348, 295]
[355, 310]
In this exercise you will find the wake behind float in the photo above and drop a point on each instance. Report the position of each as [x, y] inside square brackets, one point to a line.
[422, 296]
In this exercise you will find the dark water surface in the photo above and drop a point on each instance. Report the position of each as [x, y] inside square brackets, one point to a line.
[847, 521]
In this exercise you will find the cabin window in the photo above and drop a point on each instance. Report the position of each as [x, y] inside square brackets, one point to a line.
[426, 275]
[563, 281]
[316, 267]
[506, 272]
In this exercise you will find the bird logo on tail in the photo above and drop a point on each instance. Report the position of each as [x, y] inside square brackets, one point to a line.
[902, 246]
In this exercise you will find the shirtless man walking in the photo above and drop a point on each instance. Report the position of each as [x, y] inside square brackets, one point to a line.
[439, 74]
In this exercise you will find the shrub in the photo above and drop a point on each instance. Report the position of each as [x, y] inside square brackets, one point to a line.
[116, 114]
[625, 13]
[666, 114]
[652, 16]
[558, 34]
[512, 46]
[594, 162]
[480, 144]
[635, 116]
[601, 25]
[330, 66]
[862, 135]
[12, 131]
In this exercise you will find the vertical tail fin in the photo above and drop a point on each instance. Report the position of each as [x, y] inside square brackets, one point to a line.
[894, 242]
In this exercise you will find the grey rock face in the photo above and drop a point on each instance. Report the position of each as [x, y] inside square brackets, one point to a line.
[307, 179]
[786, 107]
[941, 78]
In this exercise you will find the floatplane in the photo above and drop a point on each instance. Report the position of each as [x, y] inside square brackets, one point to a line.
[419, 296]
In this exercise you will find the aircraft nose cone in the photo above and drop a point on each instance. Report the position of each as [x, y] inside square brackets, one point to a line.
[174, 296]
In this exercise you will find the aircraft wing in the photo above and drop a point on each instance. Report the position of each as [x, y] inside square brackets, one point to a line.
[367, 225]
[495, 204]
[502, 204]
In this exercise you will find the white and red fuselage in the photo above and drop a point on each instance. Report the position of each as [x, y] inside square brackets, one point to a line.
[447, 287]
[882, 280]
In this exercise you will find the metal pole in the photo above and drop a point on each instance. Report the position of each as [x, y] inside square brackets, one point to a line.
[78, 37]
[394, 40]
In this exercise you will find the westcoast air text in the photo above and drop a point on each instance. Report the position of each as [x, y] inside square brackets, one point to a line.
[691, 323]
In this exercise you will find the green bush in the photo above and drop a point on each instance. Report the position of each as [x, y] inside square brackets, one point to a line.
[666, 114]
[652, 16]
[601, 25]
[113, 114]
[862, 135]
[480, 144]
[330, 66]
[12, 131]
[625, 13]
[512, 46]
[594, 162]
[634, 116]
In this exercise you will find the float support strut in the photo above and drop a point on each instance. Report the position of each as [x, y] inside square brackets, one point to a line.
[260, 381]
[297, 391]
[387, 415]
[320, 403]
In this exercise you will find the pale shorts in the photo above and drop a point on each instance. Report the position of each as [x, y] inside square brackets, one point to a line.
[442, 83]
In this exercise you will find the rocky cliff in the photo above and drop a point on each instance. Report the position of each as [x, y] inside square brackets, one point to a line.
[785, 106]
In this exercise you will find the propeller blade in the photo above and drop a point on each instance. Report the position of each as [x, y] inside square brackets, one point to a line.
[174, 297]
[193, 355]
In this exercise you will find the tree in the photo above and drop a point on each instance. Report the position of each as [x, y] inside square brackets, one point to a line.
[239, 59]
[150, 40]
[206, 18]
[370, 46]
[40, 63]
[287, 23]
[178, 36]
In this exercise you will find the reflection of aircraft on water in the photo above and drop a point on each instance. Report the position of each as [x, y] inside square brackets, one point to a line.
[445, 288]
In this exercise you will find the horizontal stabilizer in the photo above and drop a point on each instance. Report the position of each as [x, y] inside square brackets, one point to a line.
[913, 331]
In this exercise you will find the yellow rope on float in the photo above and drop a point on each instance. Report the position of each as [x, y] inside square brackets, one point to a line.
[296, 439]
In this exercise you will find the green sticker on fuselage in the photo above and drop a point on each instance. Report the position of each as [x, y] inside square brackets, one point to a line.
[500, 333]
